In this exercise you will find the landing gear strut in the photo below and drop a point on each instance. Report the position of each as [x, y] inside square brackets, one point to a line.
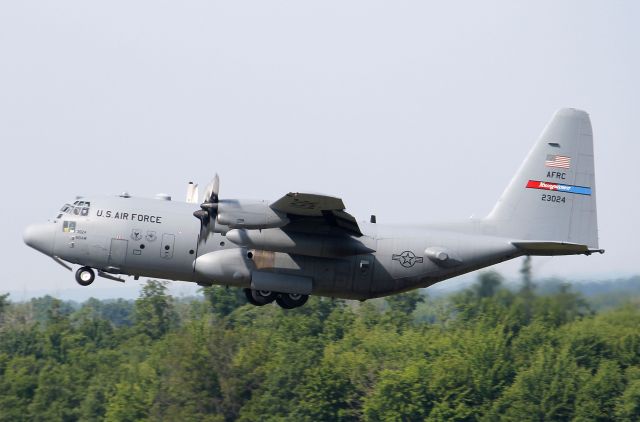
[85, 276]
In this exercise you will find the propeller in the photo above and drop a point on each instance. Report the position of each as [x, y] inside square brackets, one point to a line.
[208, 212]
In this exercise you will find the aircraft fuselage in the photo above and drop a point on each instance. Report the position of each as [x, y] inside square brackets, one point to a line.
[159, 238]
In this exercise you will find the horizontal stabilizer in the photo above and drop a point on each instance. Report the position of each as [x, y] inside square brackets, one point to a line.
[554, 248]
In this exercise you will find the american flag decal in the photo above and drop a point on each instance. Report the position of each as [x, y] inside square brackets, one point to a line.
[559, 161]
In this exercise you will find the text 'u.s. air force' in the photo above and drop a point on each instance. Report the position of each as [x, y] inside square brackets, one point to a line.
[121, 215]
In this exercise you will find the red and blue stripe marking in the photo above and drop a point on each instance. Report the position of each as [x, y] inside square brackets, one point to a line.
[578, 190]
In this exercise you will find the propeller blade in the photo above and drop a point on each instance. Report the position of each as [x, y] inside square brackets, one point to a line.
[208, 212]
[212, 190]
[203, 216]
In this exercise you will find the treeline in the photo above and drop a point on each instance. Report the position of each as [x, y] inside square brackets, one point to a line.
[486, 353]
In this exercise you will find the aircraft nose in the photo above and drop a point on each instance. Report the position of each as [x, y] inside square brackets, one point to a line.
[40, 237]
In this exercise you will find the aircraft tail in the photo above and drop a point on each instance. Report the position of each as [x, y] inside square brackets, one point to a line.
[552, 197]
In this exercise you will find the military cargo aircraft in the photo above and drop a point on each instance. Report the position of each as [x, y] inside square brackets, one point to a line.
[307, 244]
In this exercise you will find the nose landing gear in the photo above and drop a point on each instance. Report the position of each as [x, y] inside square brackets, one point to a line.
[85, 276]
[285, 300]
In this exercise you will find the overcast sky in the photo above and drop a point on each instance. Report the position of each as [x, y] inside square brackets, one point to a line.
[415, 111]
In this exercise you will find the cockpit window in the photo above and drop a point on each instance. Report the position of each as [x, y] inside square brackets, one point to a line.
[78, 208]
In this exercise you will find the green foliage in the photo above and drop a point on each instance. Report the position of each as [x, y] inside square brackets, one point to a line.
[544, 391]
[628, 408]
[4, 304]
[45, 307]
[597, 399]
[405, 303]
[488, 284]
[223, 300]
[118, 312]
[485, 353]
[154, 310]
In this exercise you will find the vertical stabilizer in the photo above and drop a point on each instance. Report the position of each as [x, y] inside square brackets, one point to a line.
[553, 195]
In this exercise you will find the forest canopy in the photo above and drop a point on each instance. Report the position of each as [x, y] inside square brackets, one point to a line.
[484, 353]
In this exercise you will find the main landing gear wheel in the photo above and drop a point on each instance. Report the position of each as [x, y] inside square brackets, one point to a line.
[291, 300]
[85, 276]
[259, 297]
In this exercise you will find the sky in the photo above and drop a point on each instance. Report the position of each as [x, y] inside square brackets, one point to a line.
[415, 111]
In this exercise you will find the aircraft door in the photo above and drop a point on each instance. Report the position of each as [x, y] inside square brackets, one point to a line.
[363, 273]
[166, 248]
[118, 252]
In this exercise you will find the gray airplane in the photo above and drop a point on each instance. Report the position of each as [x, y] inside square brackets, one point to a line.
[305, 244]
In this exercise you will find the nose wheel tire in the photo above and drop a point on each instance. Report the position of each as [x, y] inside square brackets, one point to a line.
[291, 300]
[259, 297]
[85, 276]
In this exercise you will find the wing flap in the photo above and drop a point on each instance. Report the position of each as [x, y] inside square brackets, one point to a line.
[314, 210]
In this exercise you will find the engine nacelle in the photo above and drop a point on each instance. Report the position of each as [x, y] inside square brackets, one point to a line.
[260, 270]
[250, 215]
[231, 266]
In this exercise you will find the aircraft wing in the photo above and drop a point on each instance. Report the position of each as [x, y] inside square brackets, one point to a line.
[310, 212]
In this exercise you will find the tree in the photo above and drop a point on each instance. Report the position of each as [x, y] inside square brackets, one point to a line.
[563, 307]
[598, 396]
[18, 385]
[4, 304]
[401, 395]
[134, 394]
[401, 307]
[57, 396]
[628, 408]
[527, 280]
[545, 391]
[46, 307]
[188, 381]
[405, 303]
[154, 310]
[488, 284]
[224, 300]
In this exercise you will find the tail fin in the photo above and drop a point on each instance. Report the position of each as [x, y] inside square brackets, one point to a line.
[553, 195]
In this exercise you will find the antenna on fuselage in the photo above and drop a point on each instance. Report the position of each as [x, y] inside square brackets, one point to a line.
[192, 193]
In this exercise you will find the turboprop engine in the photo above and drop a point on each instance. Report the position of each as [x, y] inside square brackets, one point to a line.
[252, 269]
[249, 215]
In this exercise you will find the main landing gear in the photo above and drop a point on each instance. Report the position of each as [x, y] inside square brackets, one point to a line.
[285, 300]
[85, 276]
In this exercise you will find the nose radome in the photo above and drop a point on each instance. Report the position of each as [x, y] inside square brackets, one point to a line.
[40, 237]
